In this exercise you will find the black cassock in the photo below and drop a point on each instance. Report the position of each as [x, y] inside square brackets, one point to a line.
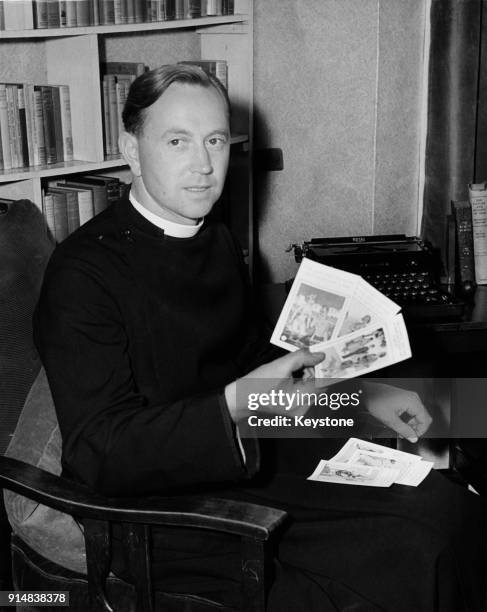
[139, 333]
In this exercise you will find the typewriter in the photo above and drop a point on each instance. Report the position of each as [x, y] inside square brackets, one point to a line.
[404, 268]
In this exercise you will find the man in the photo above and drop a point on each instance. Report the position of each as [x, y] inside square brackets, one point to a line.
[145, 326]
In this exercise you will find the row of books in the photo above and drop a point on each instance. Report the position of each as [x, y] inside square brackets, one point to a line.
[35, 125]
[41, 14]
[467, 237]
[116, 80]
[69, 203]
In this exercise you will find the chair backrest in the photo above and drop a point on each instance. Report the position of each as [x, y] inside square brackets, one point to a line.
[25, 247]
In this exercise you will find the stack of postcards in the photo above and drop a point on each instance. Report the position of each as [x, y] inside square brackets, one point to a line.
[364, 463]
[341, 315]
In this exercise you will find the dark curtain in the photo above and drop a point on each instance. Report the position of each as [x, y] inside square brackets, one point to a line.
[456, 115]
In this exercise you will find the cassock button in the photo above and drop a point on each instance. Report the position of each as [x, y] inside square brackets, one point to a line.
[100, 237]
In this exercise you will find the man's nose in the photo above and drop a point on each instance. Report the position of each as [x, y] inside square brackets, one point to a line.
[201, 160]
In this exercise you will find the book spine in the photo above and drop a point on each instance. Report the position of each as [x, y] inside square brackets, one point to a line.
[2, 15]
[13, 15]
[60, 216]
[62, 13]
[94, 12]
[113, 115]
[130, 11]
[121, 91]
[49, 129]
[170, 9]
[118, 11]
[178, 9]
[67, 133]
[48, 212]
[29, 109]
[58, 130]
[139, 11]
[40, 153]
[477, 195]
[24, 145]
[465, 254]
[13, 125]
[106, 117]
[71, 18]
[40, 14]
[5, 135]
[83, 13]
[28, 14]
[108, 12]
[85, 206]
[53, 14]
[72, 210]
[28, 89]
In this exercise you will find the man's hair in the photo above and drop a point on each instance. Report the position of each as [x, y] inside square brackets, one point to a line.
[149, 87]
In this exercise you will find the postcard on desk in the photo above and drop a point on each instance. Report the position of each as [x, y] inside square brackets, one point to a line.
[365, 463]
[339, 313]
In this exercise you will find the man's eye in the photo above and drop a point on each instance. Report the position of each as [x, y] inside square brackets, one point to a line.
[175, 142]
[216, 141]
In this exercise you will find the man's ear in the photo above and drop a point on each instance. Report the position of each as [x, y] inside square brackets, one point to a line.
[129, 148]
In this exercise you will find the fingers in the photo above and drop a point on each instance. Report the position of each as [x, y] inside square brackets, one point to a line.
[403, 429]
[300, 359]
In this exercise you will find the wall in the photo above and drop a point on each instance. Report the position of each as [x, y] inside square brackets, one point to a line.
[338, 88]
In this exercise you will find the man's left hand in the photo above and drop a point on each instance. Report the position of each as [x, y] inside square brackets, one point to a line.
[399, 409]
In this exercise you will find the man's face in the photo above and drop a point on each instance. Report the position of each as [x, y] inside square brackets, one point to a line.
[180, 159]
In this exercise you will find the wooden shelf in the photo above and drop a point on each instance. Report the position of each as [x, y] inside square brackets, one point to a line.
[179, 24]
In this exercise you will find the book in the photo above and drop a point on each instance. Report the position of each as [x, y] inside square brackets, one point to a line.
[48, 212]
[71, 17]
[84, 199]
[13, 125]
[48, 124]
[53, 14]
[58, 129]
[98, 189]
[66, 127]
[71, 205]
[4, 129]
[218, 68]
[24, 145]
[477, 195]
[28, 91]
[123, 68]
[112, 185]
[40, 14]
[462, 212]
[18, 15]
[82, 13]
[39, 141]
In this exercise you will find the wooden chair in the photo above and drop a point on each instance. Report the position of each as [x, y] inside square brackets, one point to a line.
[100, 591]
[23, 240]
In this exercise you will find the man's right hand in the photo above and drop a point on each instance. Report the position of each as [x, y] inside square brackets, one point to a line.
[277, 374]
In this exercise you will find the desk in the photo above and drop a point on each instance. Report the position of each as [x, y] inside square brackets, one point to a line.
[441, 350]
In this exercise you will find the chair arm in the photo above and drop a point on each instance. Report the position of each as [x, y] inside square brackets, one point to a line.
[236, 517]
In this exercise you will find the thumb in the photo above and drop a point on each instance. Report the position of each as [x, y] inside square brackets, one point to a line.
[404, 430]
[302, 359]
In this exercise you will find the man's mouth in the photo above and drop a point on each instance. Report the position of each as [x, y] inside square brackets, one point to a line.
[198, 189]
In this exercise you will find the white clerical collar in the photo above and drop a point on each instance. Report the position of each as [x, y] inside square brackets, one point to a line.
[176, 230]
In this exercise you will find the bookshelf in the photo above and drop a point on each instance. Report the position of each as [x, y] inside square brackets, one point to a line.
[72, 56]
